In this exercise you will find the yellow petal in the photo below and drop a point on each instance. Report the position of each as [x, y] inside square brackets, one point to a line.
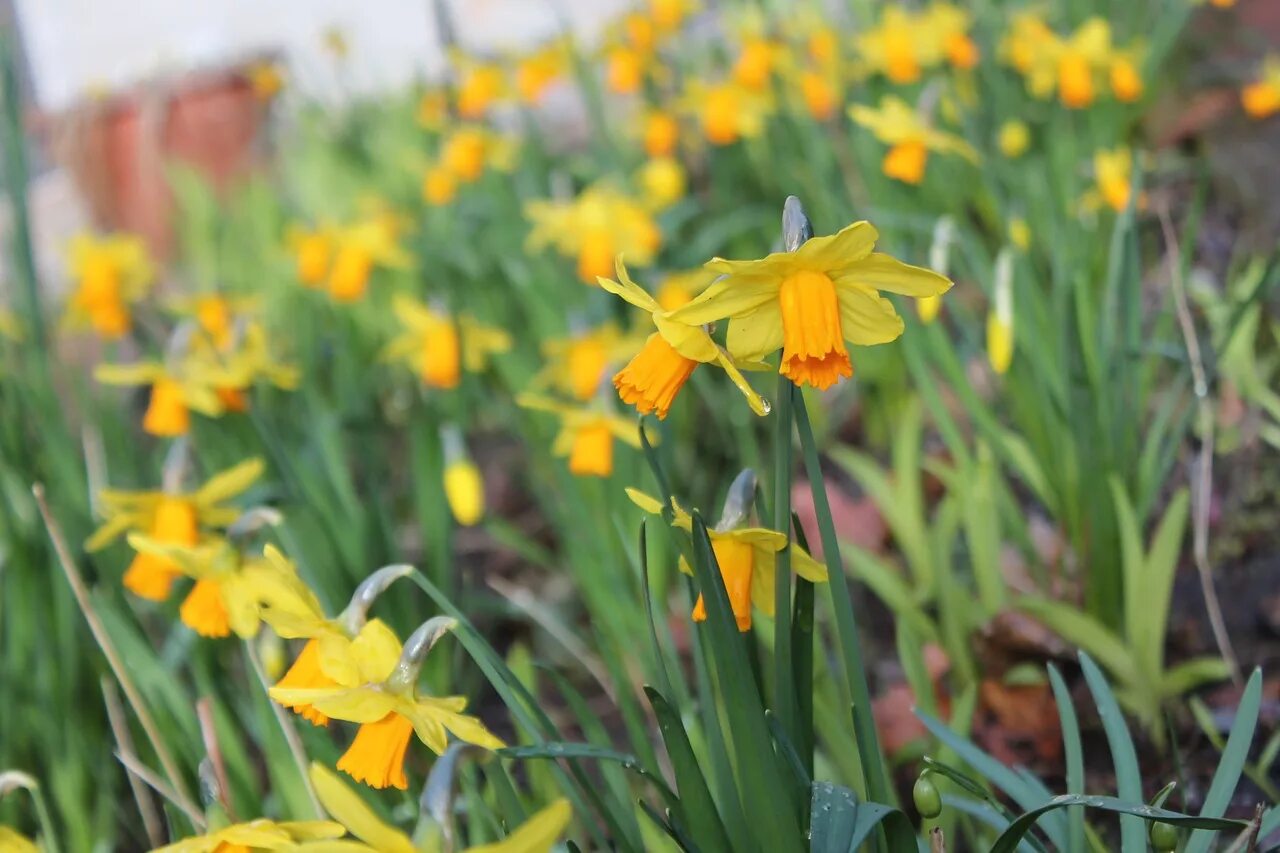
[229, 483]
[867, 319]
[838, 251]
[346, 807]
[692, 342]
[754, 400]
[536, 835]
[730, 297]
[142, 373]
[882, 272]
[648, 503]
[355, 705]
[806, 566]
[755, 335]
[628, 290]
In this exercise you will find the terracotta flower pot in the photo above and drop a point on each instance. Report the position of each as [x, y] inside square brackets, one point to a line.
[119, 148]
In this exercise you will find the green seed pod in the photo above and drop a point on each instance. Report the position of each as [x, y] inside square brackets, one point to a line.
[928, 800]
[1164, 836]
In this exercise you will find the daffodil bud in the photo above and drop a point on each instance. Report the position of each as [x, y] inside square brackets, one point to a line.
[463, 485]
[939, 260]
[271, 653]
[405, 675]
[355, 615]
[927, 800]
[796, 227]
[737, 503]
[1000, 321]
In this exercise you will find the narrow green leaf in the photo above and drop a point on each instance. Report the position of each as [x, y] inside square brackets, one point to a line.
[840, 823]
[1128, 811]
[1073, 754]
[1124, 759]
[1234, 756]
[695, 803]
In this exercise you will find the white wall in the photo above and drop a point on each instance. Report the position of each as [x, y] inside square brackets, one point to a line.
[79, 46]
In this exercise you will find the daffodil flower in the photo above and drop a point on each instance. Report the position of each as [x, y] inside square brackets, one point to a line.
[1080, 59]
[726, 111]
[390, 711]
[1000, 340]
[653, 378]
[344, 651]
[439, 346]
[810, 302]
[535, 73]
[261, 834]
[178, 388]
[111, 273]
[595, 227]
[1261, 98]
[909, 137]
[357, 249]
[463, 483]
[586, 434]
[172, 518]
[893, 47]
[313, 252]
[948, 26]
[230, 589]
[480, 85]
[1032, 48]
[747, 557]
[576, 365]
[536, 835]
[1113, 175]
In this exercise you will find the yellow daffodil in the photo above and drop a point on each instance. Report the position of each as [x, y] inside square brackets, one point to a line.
[347, 650]
[597, 226]
[229, 588]
[171, 517]
[537, 72]
[111, 273]
[678, 288]
[1125, 76]
[440, 347]
[1013, 138]
[661, 132]
[1113, 175]
[536, 835]
[909, 137]
[820, 92]
[624, 70]
[747, 557]
[266, 78]
[586, 434]
[653, 378]
[949, 26]
[1000, 320]
[662, 182]
[726, 112]
[1261, 98]
[1080, 59]
[313, 252]
[576, 365]
[893, 47]
[1031, 47]
[468, 149]
[479, 86]
[358, 248]
[754, 67]
[810, 301]
[261, 834]
[390, 711]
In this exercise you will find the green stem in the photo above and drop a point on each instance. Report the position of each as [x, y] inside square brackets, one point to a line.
[15, 175]
[874, 777]
[784, 680]
[49, 838]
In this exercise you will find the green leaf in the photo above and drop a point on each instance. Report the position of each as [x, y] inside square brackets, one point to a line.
[759, 777]
[1234, 756]
[695, 804]
[1083, 631]
[1123, 758]
[1190, 674]
[839, 823]
[892, 588]
[1128, 811]
[1156, 584]
[1073, 754]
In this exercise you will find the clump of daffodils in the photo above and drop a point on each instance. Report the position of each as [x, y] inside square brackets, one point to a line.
[1076, 67]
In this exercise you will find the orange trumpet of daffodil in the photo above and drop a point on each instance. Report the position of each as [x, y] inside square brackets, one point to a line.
[438, 346]
[586, 434]
[653, 378]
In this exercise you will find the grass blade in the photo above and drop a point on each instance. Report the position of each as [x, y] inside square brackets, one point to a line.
[1233, 760]
[1124, 759]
